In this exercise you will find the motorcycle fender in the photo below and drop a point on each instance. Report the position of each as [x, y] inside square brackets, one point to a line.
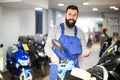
[28, 69]
[81, 73]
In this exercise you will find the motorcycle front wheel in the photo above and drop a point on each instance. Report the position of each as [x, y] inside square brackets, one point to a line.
[29, 77]
[43, 70]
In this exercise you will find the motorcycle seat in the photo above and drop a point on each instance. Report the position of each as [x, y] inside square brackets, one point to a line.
[99, 72]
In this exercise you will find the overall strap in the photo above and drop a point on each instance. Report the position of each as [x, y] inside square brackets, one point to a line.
[62, 29]
[75, 31]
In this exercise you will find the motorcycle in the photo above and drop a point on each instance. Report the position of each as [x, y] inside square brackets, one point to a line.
[108, 67]
[105, 44]
[39, 60]
[18, 62]
[1, 61]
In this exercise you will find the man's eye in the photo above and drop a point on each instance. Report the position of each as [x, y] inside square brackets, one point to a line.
[69, 14]
[75, 15]
[72, 14]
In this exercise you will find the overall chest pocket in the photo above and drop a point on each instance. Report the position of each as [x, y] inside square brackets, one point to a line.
[73, 47]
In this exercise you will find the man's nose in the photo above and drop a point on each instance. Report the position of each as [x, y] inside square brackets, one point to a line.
[71, 17]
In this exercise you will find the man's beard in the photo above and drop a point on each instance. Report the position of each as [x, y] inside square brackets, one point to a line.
[69, 24]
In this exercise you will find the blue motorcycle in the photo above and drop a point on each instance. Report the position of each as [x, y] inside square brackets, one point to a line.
[18, 62]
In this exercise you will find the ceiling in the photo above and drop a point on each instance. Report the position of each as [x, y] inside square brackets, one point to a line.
[24, 4]
[102, 5]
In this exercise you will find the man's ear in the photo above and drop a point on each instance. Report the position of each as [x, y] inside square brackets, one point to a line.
[65, 15]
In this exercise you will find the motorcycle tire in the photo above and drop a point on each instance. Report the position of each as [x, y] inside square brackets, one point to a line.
[43, 70]
[1, 77]
[30, 76]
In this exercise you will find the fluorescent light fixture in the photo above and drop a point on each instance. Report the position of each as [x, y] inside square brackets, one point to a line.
[38, 9]
[95, 9]
[5, 1]
[116, 8]
[61, 4]
[112, 7]
[85, 3]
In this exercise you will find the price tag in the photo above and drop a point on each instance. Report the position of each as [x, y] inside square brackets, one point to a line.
[25, 47]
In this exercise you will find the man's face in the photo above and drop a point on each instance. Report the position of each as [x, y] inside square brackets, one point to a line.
[71, 17]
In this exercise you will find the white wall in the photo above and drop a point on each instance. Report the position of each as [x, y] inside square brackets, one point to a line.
[1, 59]
[27, 22]
[1, 15]
[50, 20]
[9, 28]
[45, 17]
[59, 17]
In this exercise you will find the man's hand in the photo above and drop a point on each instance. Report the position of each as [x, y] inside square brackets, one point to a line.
[54, 59]
[86, 53]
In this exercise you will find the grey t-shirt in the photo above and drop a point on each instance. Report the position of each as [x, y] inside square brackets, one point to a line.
[55, 33]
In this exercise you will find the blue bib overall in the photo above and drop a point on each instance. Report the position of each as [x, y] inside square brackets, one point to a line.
[72, 48]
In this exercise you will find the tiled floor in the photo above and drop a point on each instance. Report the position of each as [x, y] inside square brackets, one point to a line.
[85, 63]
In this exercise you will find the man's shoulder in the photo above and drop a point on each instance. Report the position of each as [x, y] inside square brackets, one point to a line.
[80, 33]
[80, 30]
[55, 28]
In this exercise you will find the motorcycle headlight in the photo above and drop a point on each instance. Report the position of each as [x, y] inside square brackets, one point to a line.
[43, 42]
[24, 62]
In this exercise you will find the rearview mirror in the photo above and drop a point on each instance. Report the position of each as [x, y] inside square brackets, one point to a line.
[57, 44]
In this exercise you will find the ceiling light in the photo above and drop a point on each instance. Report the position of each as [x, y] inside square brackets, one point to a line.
[112, 7]
[95, 9]
[116, 8]
[38, 9]
[85, 3]
[5, 1]
[61, 4]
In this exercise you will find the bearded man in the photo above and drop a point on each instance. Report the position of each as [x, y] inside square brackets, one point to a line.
[72, 39]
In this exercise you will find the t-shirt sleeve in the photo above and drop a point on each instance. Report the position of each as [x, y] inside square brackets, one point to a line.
[48, 45]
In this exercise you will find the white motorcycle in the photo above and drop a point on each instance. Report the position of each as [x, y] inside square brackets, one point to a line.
[1, 61]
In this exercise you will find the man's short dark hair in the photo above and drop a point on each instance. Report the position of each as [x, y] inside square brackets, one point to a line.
[73, 7]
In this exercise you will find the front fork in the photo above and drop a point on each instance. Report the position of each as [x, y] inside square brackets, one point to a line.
[25, 71]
